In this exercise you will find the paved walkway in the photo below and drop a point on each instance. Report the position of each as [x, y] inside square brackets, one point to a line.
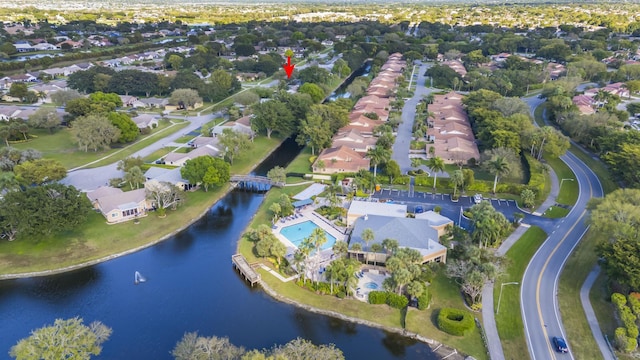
[551, 199]
[488, 317]
[404, 134]
[591, 315]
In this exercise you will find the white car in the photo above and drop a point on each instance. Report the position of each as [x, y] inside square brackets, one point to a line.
[477, 198]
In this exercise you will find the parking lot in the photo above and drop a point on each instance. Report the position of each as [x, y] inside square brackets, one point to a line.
[453, 209]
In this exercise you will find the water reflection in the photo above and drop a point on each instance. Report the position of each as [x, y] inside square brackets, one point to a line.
[191, 286]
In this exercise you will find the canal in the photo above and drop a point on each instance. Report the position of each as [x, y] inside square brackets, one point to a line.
[191, 286]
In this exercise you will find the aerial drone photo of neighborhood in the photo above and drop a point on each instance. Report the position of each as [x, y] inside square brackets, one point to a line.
[320, 179]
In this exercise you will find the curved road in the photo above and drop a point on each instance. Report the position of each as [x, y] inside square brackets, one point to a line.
[539, 305]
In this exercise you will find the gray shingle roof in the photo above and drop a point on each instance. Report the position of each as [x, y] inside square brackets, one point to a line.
[411, 233]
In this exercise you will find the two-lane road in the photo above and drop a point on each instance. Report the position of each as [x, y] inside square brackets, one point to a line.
[539, 305]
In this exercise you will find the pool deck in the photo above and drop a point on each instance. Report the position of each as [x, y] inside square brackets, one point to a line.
[307, 214]
[369, 275]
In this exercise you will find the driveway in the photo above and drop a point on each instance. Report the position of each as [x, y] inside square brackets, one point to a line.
[91, 179]
[404, 134]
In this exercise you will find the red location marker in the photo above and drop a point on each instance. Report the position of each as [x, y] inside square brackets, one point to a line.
[288, 67]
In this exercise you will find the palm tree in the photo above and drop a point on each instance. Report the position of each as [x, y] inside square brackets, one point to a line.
[375, 248]
[390, 245]
[499, 167]
[340, 248]
[436, 164]
[457, 179]
[318, 238]
[367, 236]
[378, 155]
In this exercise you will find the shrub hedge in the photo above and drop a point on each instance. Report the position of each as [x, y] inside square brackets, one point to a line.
[389, 298]
[378, 297]
[397, 301]
[424, 300]
[455, 321]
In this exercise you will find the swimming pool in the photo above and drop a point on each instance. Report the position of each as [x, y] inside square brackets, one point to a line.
[371, 285]
[298, 232]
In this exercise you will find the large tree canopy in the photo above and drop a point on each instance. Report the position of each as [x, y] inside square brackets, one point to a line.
[65, 339]
[616, 219]
[43, 210]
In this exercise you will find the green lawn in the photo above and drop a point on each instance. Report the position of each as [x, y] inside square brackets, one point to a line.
[184, 139]
[575, 323]
[446, 293]
[555, 212]
[95, 239]
[569, 189]
[301, 163]
[598, 167]
[158, 154]
[509, 319]
[60, 146]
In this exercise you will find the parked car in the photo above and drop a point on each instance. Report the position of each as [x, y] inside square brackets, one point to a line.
[419, 209]
[477, 198]
[560, 345]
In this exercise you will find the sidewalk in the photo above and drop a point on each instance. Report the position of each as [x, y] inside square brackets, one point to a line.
[591, 315]
[551, 199]
[488, 318]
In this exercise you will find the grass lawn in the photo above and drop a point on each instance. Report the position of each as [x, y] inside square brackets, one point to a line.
[598, 167]
[158, 154]
[59, 146]
[555, 212]
[509, 319]
[243, 163]
[575, 323]
[446, 293]
[95, 239]
[184, 149]
[569, 189]
[301, 163]
[184, 139]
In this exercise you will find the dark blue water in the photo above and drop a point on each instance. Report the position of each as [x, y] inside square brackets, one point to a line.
[341, 92]
[191, 286]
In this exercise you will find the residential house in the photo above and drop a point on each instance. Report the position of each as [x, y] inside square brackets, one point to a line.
[619, 89]
[23, 47]
[354, 140]
[248, 76]
[455, 150]
[69, 44]
[340, 159]
[204, 141]
[457, 66]
[146, 121]
[118, 206]
[172, 176]
[410, 233]
[178, 159]
[382, 114]
[45, 46]
[242, 125]
[128, 100]
[173, 107]
[585, 104]
[154, 103]
[8, 111]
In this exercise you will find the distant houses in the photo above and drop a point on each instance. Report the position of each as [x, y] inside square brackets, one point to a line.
[450, 131]
[351, 143]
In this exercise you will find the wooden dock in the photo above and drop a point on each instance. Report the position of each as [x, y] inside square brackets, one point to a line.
[249, 273]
